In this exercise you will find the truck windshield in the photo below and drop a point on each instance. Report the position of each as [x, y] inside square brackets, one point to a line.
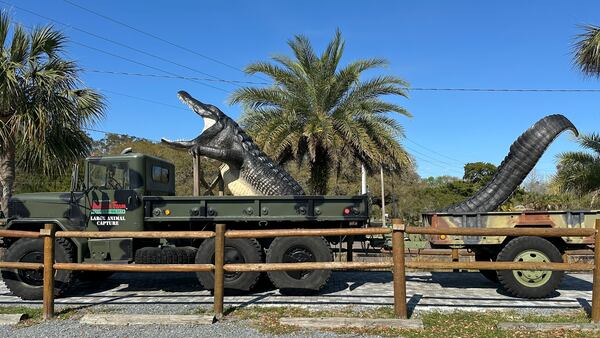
[113, 176]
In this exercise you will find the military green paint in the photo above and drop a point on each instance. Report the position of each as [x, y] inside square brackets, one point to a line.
[135, 192]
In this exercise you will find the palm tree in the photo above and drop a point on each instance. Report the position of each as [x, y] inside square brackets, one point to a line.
[42, 112]
[318, 111]
[587, 50]
[579, 172]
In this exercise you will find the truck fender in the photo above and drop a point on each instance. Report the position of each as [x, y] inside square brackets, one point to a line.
[558, 242]
[37, 224]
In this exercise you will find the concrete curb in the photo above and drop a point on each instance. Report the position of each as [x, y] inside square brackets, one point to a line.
[128, 319]
[548, 326]
[341, 322]
[11, 319]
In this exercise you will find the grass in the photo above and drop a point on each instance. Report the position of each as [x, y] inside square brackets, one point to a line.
[437, 324]
[34, 315]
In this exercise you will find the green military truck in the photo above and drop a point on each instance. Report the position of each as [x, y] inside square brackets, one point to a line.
[136, 192]
[526, 284]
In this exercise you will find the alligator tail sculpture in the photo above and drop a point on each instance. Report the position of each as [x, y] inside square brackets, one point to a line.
[524, 153]
[246, 170]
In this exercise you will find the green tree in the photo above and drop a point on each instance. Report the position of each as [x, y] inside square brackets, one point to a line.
[319, 111]
[579, 171]
[479, 172]
[42, 110]
[587, 50]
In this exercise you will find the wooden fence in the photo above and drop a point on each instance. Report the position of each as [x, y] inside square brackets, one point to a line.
[397, 265]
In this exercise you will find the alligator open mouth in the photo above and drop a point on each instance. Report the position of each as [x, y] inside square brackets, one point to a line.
[207, 112]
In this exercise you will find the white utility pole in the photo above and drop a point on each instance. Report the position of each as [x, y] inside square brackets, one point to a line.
[363, 182]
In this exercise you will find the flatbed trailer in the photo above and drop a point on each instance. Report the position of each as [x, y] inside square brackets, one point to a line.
[136, 192]
[527, 284]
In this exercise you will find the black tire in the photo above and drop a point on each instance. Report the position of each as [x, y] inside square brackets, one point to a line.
[485, 256]
[27, 284]
[237, 250]
[148, 255]
[299, 249]
[94, 276]
[165, 255]
[540, 287]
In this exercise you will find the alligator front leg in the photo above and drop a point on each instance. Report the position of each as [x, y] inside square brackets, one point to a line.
[223, 155]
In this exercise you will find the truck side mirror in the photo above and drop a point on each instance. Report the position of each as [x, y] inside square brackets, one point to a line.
[75, 177]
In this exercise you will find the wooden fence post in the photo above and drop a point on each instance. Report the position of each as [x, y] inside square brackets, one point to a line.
[398, 270]
[596, 277]
[48, 284]
[218, 291]
[455, 258]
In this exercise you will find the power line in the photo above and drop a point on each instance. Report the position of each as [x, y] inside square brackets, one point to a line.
[236, 82]
[430, 157]
[211, 77]
[436, 164]
[576, 90]
[517, 90]
[157, 37]
[145, 65]
[144, 99]
[170, 77]
[433, 151]
[123, 45]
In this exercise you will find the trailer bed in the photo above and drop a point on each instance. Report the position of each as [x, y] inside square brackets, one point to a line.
[548, 219]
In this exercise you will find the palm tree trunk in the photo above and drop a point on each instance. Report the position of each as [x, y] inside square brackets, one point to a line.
[594, 197]
[319, 173]
[7, 174]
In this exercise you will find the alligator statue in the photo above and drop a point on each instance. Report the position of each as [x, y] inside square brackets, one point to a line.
[246, 169]
[524, 153]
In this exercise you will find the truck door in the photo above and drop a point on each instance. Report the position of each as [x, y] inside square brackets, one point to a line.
[114, 198]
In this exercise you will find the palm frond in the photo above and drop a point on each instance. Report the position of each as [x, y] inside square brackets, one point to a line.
[317, 112]
[591, 141]
[587, 50]
[44, 109]
[4, 28]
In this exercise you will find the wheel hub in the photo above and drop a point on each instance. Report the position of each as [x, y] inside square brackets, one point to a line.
[298, 255]
[532, 278]
[32, 277]
[232, 256]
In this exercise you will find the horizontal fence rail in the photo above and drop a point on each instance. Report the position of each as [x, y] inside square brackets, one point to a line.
[542, 232]
[398, 264]
[20, 234]
[306, 232]
[135, 234]
[136, 267]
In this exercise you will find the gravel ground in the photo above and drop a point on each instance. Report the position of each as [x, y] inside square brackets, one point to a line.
[180, 293]
[72, 328]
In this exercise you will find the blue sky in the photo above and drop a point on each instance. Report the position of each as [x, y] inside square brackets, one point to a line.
[456, 44]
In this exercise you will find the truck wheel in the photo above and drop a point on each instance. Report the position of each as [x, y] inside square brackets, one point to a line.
[530, 284]
[237, 251]
[27, 284]
[484, 256]
[165, 255]
[94, 276]
[299, 249]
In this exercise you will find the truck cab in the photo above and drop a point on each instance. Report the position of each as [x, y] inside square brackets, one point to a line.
[115, 187]
[110, 196]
